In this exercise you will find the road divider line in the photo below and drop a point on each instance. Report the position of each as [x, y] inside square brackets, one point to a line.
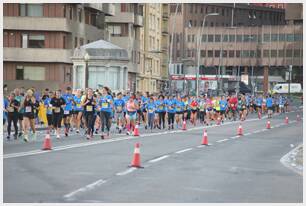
[222, 140]
[126, 171]
[246, 134]
[235, 137]
[159, 159]
[184, 150]
[87, 188]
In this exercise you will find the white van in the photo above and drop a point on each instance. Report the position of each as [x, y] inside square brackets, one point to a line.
[282, 88]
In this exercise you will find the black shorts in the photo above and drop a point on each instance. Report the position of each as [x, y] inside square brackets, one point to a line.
[222, 111]
[194, 111]
[68, 115]
[57, 120]
[29, 115]
[50, 119]
[144, 110]
[20, 116]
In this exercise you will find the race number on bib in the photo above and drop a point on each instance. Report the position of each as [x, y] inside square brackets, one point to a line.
[104, 105]
[89, 108]
[66, 112]
[10, 109]
[28, 109]
[57, 109]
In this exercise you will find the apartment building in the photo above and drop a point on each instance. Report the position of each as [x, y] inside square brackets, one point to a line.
[126, 31]
[153, 75]
[39, 40]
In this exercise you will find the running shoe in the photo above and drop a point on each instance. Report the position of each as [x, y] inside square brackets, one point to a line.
[58, 136]
[25, 138]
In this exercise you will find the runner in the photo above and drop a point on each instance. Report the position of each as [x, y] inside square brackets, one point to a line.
[223, 108]
[170, 103]
[161, 111]
[119, 104]
[57, 104]
[131, 107]
[77, 110]
[151, 108]
[89, 103]
[49, 111]
[68, 97]
[105, 103]
[12, 110]
[269, 103]
[194, 109]
[20, 98]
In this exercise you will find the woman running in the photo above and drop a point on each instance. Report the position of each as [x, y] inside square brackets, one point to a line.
[131, 107]
[151, 108]
[160, 104]
[57, 103]
[68, 97]
[171, 112]
[105, 103]
[89, 104]
[12, 115]
[77, 110]
[29, 105]
[119, 104]
[194, 109]
[49, 111]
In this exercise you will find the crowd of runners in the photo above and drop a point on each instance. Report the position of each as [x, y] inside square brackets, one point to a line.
[88, 112]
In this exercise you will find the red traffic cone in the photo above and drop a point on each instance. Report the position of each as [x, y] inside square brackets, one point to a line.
[184, 125]
[240, 130]
[286, 120]
[136, 130]
[47, 143]
[136, 157]
[298, 118]
[268, 125]
[205, 139]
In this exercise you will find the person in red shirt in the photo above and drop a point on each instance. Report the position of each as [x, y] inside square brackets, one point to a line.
[233, 103]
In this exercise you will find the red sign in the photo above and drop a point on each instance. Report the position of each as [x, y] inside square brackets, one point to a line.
[177, 77]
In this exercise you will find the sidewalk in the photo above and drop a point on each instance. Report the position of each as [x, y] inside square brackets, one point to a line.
[294, 159]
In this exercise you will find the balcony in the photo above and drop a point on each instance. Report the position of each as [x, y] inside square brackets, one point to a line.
[138, 20]
[165, 30]
[165, 11]
[36, 23]
[124, 17]
[37, 55]
[109, 9]
[94, 6]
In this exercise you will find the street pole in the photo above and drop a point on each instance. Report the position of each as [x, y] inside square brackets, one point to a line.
[171, 50]
[252, 82]
[198, 50]
[290, 71]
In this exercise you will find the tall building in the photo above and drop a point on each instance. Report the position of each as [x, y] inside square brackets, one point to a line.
[126, 31]
[294, 13]
[153, 75]
[39, 40]
[242, 41]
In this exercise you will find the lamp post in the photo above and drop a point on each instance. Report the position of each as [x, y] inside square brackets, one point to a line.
[198, 47]
[86, 58]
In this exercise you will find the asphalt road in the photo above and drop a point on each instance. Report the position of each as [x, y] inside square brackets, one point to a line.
[176, 167]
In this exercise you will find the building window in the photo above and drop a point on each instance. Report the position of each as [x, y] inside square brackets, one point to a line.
[210, 53]
[188, 38]
[80, 15]
[211, 24]
[224, 53]
[266, 53]
[246, 38]
[258, 53]
[204, 38]
[225, 38]
[289, 53]
[124, 7]
[281, 53]
[231, 38]
[191, 8]
[195, 23]
[290, 37]
[267, 38]
[81, 41]
[238, 54]
[297, 53]
[239, 38]
[193, 38]
[222, 12]
[274, 53]
[217, 38]
[274, 37]
[202, 9]
[298, 37]
[217, 53]
[31, 9]
[35, 41]
[30, 73]
[210, 38]
[231, 53]
[75, 42]
[245, 53]
[203, 53]
[282, 37]
[70, 13]
[252, 53]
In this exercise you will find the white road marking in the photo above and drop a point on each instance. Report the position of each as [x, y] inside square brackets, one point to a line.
[246, 134]
[159, 159]
[85, 144]
[184, 150]
[235, 137]
[84, 189]
[256, 131]
[126, 171]
[222, 140]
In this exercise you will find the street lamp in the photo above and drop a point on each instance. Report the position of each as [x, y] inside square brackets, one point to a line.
[86, 58]
[199, 43]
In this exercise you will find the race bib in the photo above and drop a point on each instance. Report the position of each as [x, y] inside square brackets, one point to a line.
[150, 110]
[119, 108]
[178, 109]
[28, 109]
[105, 105]
[161, 107]
[66, 112]
[10, 109]
[89, 108]
[57, 109]
[78, 105]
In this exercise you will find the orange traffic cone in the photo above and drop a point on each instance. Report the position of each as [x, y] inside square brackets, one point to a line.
[298, 118]
[240, 130]
[184, 125]
[47, 143]
[268, 125]
[205, 139]
[136, 130]
[136, 157]
[286, 120]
